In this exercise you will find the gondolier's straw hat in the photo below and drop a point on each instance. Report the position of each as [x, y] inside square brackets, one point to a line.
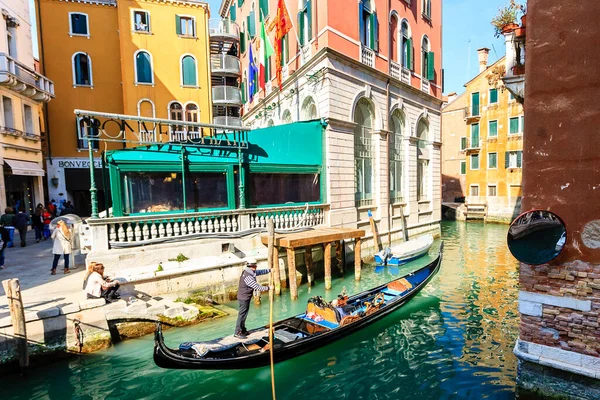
[251, 261]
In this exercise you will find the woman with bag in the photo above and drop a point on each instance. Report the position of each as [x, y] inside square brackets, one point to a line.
[62, 246]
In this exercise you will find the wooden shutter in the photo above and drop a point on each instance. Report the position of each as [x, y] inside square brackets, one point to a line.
[189, 71]
[475, 136]
[240, 3]
[514, 125]
[244, 98]
[252, 24]
[233, 12]
[243, 42]
[463, 143]
[430, 66]
[506, 159]
[493, 129]
[409, 52]
[178, 24]
[374, 40]
[463, 167]
[308, 7]
[493, 96]
[301, 27]
[78, 71]
[361, 22]
[475, 104]
[263, 9]
[519, 159]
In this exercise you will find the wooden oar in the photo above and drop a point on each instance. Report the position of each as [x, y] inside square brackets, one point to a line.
[270, 249]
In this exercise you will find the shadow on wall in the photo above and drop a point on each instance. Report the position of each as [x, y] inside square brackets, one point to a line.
[452, 190]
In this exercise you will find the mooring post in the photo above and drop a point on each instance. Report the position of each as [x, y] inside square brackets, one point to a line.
[357, 259]
[309, 265]
[12, 288]
[327, 260]
[276, 273]
[338, 256]
[291, 256]
[272, 256]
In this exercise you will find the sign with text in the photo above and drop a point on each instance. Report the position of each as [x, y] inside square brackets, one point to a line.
[78, 164]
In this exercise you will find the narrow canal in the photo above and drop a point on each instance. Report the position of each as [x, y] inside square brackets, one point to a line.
[454, 340]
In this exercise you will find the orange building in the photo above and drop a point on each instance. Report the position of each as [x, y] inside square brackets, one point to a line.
[372, 69]
[143, 57]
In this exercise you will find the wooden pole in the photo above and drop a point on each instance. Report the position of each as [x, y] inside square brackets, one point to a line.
[309, 265]
[327, 260]
[12, 288]
[357, 259]
[374, 230]
[271, 242]
[404, 230]
[291, 256]
[276, 273]
[338, 256]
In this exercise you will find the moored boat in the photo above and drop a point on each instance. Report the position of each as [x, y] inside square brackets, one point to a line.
[320, 325]
[405, 252]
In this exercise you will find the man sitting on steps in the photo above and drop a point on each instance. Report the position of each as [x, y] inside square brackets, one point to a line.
[247, 286]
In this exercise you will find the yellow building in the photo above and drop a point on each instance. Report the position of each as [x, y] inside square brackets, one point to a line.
[492, 143]
[145, 57]
[22, 93]
[453, 128]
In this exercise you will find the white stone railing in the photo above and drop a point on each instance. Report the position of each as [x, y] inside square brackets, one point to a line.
[394, 69]
[405, 75]
[145, 229]
[20, 78]
[367, 56]
[425, 85]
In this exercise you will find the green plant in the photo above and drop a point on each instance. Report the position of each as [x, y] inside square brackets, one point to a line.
[506, 15]
[160, 268]
[180, 258]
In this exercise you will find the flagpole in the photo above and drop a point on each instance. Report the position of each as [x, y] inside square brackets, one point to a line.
[293, 25]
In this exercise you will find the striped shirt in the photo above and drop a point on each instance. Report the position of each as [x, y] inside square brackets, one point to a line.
[250, 279]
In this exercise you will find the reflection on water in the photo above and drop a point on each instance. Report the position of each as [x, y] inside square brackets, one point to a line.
[453, 340]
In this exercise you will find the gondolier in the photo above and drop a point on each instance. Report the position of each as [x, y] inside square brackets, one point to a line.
[246, 288]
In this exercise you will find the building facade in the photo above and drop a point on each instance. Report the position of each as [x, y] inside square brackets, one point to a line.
[22, 91]
[454, 174]
[144, 58]
[559, 339]
[373, 73]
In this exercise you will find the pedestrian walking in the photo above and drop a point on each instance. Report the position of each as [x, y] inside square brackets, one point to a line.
[246, 288]
[21, 222]
[37, 222]
[46, 219]
[4, 239]
[62, 246]
[7, 220]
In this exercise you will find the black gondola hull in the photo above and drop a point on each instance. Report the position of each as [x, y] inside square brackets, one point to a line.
[165, 357]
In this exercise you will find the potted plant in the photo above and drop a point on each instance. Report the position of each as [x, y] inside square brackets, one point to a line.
[506, 19]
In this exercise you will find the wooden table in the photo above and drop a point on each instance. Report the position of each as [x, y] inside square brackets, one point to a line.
[307, 240]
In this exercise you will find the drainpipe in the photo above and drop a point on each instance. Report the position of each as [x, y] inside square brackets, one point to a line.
[387, 139]
[38, 14]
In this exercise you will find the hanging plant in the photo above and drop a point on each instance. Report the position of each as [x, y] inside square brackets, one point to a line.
[506, 19]
[495, 76]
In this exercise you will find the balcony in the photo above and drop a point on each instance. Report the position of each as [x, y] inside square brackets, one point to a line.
[24, 80]
[226, 96]
[367, 56]
[514, 76]
[473, 114]
[221, 64]
[425, 86]
[223, 29]
[228, 121]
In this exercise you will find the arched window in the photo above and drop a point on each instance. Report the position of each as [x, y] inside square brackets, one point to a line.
[395, 154]
[189, 73]
[82, 70]
[87, 128]
[422, 160]
[191, 115]
[309, 109]
[176, 114]
[406, 45]
[146, 109]
[394, 38]
[363, 152]
[286, 118]
[270, 123]
[368, 25]
[143, 67]
[425, 57]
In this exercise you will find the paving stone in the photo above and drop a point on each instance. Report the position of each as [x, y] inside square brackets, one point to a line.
[91, 303]
[158, 309]
[6, 321]
[70, 308]
[117, 305]
[136, 307]
[173, 312]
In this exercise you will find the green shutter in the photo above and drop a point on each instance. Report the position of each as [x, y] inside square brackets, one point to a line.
[493, 96]
[492, 160]
[252, 24]
[243, 42]
[475, 104]
[475, 161]
[374, 39]
[232, 12]
[263, 6]
[522, 124]
[430, 66]
[244, 98]
[361, 22]
[189, 71]
[240, 3]
[409, 58]
[519, 159]
[463, 167]
[301, 27]
[178, 24]
[514, 125]
[475, 136]
[493, 129]
[463, 143]
[308, 8]
[506, 159]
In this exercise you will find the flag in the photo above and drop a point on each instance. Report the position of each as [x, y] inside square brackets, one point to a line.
[266, 51]
[284, 25]
[251, 75]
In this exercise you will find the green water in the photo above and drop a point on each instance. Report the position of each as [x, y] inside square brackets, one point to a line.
[452, 341]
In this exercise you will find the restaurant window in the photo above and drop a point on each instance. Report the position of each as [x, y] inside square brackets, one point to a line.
[275, 188]
[206, 190]
[152, 192]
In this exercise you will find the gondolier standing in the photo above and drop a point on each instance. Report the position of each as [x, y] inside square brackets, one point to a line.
[247, 286]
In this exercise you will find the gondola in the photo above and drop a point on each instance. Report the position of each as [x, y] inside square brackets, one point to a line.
[322, 324]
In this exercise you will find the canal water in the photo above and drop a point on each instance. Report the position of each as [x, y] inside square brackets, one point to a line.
[452, 341]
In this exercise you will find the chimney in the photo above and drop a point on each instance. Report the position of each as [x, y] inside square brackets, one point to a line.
[482, 55]
[451, 97]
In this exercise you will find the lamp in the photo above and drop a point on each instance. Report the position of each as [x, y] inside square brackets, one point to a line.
[54, 181]
[173, 175]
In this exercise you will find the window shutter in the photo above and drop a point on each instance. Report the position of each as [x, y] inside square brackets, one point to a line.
[463, 167]
[514, 125]
[522, 124]
[475, 104]
[78, 74]
[232, 12]
[519, 159]
[430, 66]
[189, 71]
[493, 96]
[361, 22]
[493, 129]
[178, 24]
[506, 159]
[309, 18]
[301, 27]
[374, 32]
[244, 98]
[243, 42]
[463, 143]
[475, 136]
[409, 58]
[252, 24]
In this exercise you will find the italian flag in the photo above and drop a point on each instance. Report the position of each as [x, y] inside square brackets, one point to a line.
[266, 51]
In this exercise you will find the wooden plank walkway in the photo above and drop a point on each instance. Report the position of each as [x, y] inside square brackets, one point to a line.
[307, 240]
